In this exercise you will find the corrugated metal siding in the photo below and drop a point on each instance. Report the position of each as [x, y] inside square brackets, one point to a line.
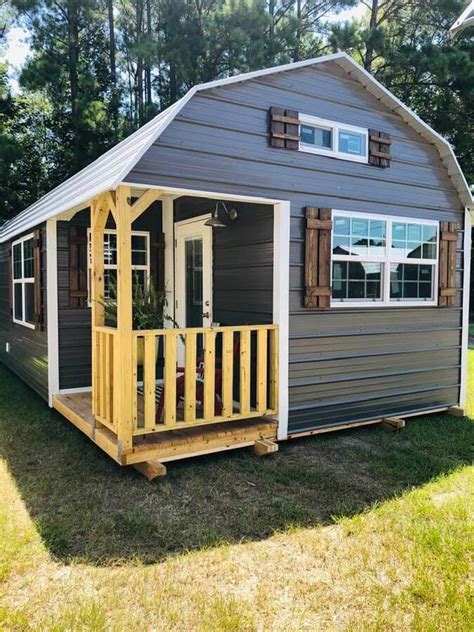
[28, 356]
[219, 143]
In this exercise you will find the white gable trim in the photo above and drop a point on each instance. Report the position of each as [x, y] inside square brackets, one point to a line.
[108, 171]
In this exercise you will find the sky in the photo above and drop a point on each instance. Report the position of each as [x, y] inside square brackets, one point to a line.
[17, 49]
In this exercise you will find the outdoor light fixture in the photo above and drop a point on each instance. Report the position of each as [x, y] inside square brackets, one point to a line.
[215, 221]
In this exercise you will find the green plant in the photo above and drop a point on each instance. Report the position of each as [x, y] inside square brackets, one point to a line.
[148, 304]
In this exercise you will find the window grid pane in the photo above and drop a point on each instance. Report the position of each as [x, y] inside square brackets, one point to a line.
[413, 241]
[357, 280]
[411, 281]
[359, 236]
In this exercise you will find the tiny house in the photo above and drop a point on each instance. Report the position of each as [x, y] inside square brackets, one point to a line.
[307, 240]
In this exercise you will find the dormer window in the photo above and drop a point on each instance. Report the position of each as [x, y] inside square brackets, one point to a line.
[328, 138]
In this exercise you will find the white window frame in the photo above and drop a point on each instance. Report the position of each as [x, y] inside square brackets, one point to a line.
[21, 281]
[335, 128]
[386, 260]
[113, 266]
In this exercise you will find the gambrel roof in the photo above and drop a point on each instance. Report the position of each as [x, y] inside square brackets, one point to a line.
[108, 171]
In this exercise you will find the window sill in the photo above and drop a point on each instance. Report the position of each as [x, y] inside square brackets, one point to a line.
[333, 154]
[379, 304]
[23, 324]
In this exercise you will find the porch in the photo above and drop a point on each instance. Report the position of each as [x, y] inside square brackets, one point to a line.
[176, 391]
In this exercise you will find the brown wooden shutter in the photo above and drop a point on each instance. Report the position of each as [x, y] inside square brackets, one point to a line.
[157, 260]
[379, 148]
[78, 266]
[38, 287]
[284, 128]
[448, 238]
[318, 257]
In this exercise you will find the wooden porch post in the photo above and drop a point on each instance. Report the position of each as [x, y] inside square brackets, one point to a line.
[99, 214]
[123, 396]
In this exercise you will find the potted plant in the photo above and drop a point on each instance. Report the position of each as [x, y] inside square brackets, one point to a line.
[149, 311]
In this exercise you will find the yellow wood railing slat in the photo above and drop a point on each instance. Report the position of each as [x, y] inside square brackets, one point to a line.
[170, 380]
[274, 369]
[134, 382]
[262, 361]
[190, 377]
[149, 380]
[245, 372]
[227, 372]
[209, 373]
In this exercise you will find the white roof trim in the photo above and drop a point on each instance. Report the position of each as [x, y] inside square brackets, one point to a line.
[110, 169]
[465, 20]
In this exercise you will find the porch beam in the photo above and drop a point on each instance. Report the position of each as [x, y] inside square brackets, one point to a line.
[123, 360]
[144, 201]
[99, 216]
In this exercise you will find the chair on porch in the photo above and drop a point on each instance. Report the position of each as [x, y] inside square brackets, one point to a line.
[199, 376]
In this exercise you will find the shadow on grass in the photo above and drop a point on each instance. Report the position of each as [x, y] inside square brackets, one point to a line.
[88, 509]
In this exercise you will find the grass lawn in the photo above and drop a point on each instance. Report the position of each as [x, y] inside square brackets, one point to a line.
[359, 530]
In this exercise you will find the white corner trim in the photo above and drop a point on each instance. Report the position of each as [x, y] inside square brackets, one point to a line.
[465, 307]
[167, 218]
[52, 308]
[281, 315]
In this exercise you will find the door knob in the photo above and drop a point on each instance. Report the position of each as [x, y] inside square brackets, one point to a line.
[206, 315]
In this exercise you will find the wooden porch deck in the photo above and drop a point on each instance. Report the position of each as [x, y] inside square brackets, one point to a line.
[169, 445]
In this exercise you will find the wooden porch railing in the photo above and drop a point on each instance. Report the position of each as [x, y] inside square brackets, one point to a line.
[103, 375]
[190, 377]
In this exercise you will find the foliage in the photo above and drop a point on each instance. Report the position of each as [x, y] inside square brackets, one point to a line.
[406, 45]
[148, 304]
[98, 69]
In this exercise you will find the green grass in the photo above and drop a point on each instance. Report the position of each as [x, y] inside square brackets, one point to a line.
[365, 529]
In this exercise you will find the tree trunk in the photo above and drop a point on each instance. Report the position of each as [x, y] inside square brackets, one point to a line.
[149, 96]
[73, 59]
[139, 75]
[369, 52]
[113, 63]
[299, 30]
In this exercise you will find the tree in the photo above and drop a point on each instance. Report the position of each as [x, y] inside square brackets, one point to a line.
[406, 45]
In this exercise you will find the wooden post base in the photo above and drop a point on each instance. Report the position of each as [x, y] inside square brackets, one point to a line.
[151, 469]
[393, 423]
[263, 447]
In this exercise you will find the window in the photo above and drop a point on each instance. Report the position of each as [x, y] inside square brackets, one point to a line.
[379, 260]
[319, 136]
[23, 281]
[140, 259]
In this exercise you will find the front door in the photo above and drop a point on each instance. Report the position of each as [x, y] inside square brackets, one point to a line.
[193, 273]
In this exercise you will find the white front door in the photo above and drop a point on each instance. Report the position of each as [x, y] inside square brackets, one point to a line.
[193, 273]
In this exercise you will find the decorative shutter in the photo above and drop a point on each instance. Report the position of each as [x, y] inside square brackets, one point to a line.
[379, 148]
[284, 128]
[318, 257]
[38, 287]
[157, 260]
[448, 238]
[78, 266]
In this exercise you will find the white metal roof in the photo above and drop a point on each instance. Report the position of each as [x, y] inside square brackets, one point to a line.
[465, 20]
[108, 171]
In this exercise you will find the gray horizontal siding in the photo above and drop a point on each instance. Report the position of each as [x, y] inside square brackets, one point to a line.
[345, 364]
[28, 356]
